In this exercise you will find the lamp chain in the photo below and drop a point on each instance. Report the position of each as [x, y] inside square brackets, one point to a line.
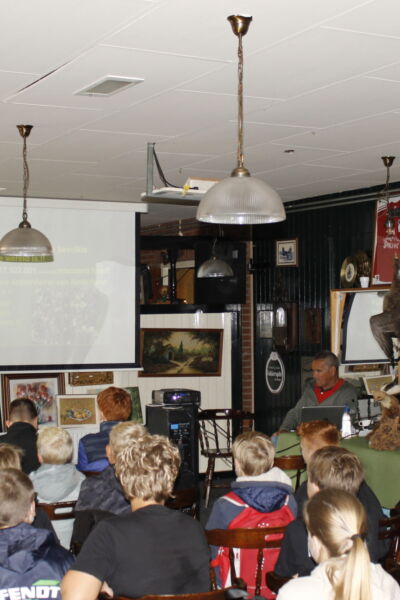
[26, 180]
[240, 98]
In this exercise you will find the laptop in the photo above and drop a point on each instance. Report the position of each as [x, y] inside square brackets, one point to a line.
[332, 414]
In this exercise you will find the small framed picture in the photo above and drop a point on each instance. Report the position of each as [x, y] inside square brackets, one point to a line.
[76, 410]
[375, 384]
[287, 253]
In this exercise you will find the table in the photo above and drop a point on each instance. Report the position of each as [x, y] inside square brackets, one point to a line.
[382, 468]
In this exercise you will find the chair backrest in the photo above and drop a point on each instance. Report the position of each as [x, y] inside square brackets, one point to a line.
[213, 595]
[217, 427]
[389, 529]
[187, 501]
[258, 539]
[57, 511]
[292, 462]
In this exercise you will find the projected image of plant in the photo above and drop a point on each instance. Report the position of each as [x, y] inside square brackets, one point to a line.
[181, 352]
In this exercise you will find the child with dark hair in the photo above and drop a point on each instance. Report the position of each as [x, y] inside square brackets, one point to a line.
[22, 427]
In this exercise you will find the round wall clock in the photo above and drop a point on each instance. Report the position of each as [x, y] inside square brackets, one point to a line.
[348, 272]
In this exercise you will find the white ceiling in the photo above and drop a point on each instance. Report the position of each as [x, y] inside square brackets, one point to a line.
[322, 78]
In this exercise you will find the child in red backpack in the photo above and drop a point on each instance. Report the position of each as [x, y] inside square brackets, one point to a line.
[262, 496]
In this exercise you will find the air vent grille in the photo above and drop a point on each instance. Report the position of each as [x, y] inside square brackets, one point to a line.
[108, 86]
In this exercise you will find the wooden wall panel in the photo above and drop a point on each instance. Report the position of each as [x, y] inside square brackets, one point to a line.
[326, 236]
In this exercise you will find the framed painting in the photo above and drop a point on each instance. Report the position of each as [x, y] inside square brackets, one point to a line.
[136, 414]
[181, 352]
[287, 253]
[76, 410]
[42, 389]
[91, 378]
[375, 384]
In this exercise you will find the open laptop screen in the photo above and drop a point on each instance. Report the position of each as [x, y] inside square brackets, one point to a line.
[333, 414]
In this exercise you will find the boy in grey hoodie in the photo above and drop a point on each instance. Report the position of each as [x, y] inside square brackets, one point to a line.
[57, 479]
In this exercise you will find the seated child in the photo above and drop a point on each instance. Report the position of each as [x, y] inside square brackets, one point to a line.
[152, 549]
[261, 496]
[337, 524]
[104, 492]
[10, 458]
[57, 479]
[21, 431]
[313, 435]
[115, 405]
[31, 562]
[330, 467]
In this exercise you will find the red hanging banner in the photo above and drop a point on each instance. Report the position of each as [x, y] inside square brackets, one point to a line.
[386, 247]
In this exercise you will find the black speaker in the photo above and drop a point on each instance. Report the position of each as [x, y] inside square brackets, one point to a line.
[221, 290]
[179, 424]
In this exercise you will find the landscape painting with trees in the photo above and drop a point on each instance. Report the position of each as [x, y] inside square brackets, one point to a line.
[181, 352]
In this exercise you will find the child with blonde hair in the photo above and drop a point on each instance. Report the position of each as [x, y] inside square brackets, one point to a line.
[336, 523]
[261, 496]
[57, 479]
[338, 468]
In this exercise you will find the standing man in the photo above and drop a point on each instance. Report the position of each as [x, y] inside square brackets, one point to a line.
[328, 390]
[21, 431]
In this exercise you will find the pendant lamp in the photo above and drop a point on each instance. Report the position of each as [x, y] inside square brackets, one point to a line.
[241, 199]
[214, 266]
[389, 221]
[25, 244]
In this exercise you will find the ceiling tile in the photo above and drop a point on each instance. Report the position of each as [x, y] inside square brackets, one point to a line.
[344, 101]
[312, 60]
[355, 135]
[45, 34]
[372, 18]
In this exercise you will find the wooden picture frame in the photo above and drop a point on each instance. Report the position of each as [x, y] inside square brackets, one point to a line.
[42, 389]
[375, 384]
[77, 410]
[181, 352]
[136, 414]
[91, 378]
[287, 253]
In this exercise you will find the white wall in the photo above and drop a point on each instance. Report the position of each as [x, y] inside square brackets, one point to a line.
[216, 392]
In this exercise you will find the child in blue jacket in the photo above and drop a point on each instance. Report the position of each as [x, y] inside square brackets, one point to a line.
[29, 558]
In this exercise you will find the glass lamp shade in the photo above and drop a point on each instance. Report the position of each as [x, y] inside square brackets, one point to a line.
[241, 201]
[25, 244]
[214, 267]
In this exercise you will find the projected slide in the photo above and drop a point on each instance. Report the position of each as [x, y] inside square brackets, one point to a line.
[359, 345]
[80, 310]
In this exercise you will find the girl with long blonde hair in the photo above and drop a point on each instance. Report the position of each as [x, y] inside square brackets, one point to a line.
[336, 524]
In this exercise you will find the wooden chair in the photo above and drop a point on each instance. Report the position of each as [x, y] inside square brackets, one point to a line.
[389, 529]
[57, 511]
[293, 462]
[187, 501]
[227, 594]
[217, 428]
[259, 539]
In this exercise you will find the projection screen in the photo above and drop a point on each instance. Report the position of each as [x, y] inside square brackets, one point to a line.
[82, 310]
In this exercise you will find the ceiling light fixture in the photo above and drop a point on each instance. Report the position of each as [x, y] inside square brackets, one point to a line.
[389, 222]
[214, 266]
[241, 199]
[25, 244]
